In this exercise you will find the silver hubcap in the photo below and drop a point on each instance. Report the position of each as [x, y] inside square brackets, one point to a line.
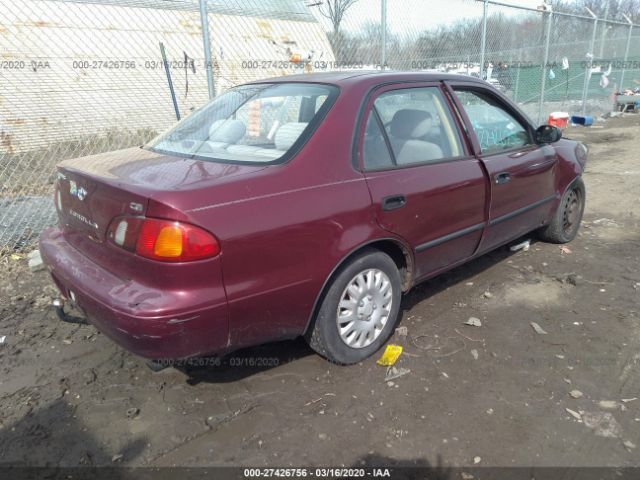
[364, 308]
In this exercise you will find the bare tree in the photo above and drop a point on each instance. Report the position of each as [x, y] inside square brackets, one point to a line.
[334, 10]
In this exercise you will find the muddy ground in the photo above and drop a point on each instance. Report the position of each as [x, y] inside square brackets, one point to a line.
[497, 394]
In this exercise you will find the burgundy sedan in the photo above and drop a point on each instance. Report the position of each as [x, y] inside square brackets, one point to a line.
[304, 205]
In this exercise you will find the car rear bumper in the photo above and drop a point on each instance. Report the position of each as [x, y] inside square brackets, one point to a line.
[148, 321]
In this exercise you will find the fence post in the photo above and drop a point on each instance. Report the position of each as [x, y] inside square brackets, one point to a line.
[383, 34]
[590, 55]
[604, 28]
[626, 52]
[204, 21]
[483, 44]
[545, 62]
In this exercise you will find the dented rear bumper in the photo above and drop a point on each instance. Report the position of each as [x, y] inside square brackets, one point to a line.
[148, 321]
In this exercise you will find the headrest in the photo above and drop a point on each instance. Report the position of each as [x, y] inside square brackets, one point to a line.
[410, 124]
[227, 131]
[287, 134]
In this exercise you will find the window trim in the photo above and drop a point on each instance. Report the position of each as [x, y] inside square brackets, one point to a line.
[368, 106]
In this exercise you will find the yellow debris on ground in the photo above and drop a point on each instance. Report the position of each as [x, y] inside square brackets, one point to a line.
[390, 355]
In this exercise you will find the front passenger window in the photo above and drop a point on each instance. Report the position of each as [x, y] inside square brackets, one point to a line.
[496, 129]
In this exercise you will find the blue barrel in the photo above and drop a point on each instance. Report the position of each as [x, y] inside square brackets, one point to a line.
[579, 120]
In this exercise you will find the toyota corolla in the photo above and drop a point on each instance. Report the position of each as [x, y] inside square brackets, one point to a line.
[304, 206]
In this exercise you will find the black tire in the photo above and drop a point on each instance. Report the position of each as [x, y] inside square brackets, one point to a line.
[565, 223]
[323, 335]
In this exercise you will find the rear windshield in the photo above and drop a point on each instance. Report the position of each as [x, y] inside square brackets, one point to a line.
[251, 123]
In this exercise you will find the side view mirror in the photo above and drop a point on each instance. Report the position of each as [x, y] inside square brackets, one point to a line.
[547, 134]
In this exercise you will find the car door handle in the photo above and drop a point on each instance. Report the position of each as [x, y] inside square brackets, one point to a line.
[393, 202]
[503, 177]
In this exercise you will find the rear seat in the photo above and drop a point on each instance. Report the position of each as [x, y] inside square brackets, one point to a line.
[285, 137]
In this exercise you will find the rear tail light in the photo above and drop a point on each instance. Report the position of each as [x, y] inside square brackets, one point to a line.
[163, 240]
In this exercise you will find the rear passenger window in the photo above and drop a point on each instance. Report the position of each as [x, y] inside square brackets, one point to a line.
[496, 129]
[418, 125]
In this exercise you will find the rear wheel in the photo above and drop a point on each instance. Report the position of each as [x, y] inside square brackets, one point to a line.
[565, 223]
[359, 310]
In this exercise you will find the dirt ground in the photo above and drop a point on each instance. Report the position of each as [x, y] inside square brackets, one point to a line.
[494, 395]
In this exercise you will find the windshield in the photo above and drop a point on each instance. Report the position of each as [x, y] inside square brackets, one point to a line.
[250, 123]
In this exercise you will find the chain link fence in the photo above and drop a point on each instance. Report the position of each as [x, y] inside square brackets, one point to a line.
[79, 77]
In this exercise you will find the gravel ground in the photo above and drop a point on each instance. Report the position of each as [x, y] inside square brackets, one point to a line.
[495, 395]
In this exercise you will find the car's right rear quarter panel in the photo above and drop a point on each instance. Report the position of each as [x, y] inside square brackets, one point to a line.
[284, 230]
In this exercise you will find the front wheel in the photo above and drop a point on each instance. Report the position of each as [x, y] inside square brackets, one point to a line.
[359, 310]
[565, 223]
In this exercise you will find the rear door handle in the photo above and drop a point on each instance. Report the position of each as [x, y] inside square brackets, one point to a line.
[393, 202]
[503, 177]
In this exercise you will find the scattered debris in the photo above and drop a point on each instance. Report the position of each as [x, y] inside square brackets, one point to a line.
[393, 373]
[490, 411]
[322, 436]
[572, 279]
[3, 339]
[469, 284]
[402, 331]
[474, 354]
[473, 322]
[133, 412]
[35, 261]
[477, 460]
[564, 249]
[574, 414]
[487, 294]
[608, 404]
[390, 355]
[575, 394]
[629, 445]
[603, 424]
[606, 222]
[538, 329]
[67, 341]
[521, 246]
[117, 458]
[624, 400]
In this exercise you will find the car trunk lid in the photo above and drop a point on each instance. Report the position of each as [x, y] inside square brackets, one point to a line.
[92, 191]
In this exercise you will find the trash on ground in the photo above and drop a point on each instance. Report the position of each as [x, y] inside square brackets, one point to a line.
[575, 394]
[35, 261]
[390, 355]
[521, 246]
[477, 460]
[574, 414]
[603, 424]
[627, 400]
[393, 373]
[629, 445]
[538, 329]
[564, 249]
[117, 458]
[487, 295]
[608, 404]
[473, 322]
[3, 339]
[607, 222]
[402, 331]
[15, 256]
[133, 412]
[474, 354]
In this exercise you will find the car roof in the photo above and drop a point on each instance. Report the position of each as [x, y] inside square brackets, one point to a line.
[367, 76]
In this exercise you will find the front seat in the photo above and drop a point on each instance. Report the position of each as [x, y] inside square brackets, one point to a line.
[406, 129]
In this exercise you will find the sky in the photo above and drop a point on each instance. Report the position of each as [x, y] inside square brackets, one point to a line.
[412, 15]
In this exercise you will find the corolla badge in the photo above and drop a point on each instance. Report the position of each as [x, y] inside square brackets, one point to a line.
[81, 193]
